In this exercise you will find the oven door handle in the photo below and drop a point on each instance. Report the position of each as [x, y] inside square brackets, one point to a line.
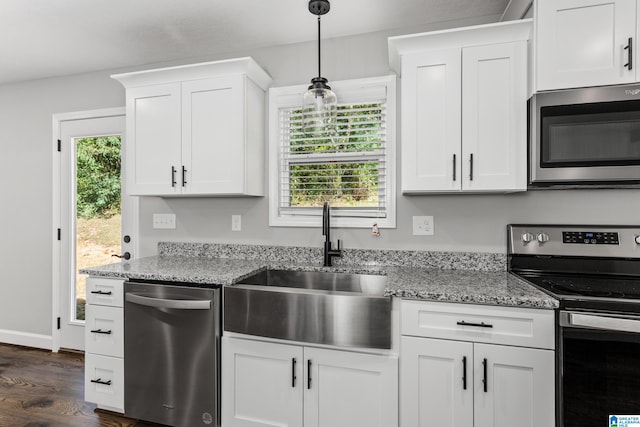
[604, 322]
[169, 303]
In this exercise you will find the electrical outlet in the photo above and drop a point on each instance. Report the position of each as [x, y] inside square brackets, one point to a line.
[164, 221]
[423, 226]
[236, 222]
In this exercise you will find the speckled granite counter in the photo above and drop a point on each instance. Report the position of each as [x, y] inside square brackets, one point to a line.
[470, 286]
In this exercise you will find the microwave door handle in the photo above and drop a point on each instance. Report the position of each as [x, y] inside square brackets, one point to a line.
[169, 303]
[629, 49]
[603, 322]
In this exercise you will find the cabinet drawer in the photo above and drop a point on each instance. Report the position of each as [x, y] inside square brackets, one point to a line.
[516, 326]
[104, 330]
[102, 291]
[104, 381]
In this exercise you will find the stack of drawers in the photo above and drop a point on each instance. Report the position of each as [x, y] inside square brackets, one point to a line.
[104, 344]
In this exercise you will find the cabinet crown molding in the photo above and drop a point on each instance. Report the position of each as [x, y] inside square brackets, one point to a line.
[501, 32]
[203, 70]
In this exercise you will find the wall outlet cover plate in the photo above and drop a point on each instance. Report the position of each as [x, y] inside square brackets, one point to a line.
[423, 226]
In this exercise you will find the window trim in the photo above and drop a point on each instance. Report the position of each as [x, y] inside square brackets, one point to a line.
[347, 91]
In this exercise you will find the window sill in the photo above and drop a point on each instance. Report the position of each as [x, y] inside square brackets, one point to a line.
[338, 222]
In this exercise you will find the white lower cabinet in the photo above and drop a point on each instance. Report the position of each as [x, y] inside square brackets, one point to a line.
[104, 344]
[104, 381]
[443, 384]
[432, 377]
[273, 384]
[465, 381]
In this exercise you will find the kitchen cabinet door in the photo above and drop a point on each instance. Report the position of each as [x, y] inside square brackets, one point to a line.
[153, 140]
[436, 378]
[262, 384]
[347, 389]
[582, 42]
[213, 138]
[519, 386]
[431, 108]
[494, 117]
[104, 381]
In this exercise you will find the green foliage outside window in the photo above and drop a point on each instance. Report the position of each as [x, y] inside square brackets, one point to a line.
[349, 182]
[98, 176]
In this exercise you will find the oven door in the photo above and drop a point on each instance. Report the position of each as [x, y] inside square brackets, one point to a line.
[599, 368]
[585, 136]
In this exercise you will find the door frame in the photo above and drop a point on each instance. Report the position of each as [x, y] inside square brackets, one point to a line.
[56, 220]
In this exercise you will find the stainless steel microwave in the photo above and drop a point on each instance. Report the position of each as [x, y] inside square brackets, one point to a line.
[587, 137]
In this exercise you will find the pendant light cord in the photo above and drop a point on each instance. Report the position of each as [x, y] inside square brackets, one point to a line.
[319, 69]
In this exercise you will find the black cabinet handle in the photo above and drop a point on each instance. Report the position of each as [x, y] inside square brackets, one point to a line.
[629, 49]
[471, 167]
[184, 176]
[454, 167]
[484, 374]
[464, 372]
[101, 292]
[173, 176]
[99, 381]
[100, 331]
[478, 325]
[309, 374]
[293, 372]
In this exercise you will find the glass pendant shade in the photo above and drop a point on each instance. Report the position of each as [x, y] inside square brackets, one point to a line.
[320, 105]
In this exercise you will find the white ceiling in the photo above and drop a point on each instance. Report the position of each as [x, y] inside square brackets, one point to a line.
[44, 38]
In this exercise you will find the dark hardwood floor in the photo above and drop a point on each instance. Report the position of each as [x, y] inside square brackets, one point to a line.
[39, 388]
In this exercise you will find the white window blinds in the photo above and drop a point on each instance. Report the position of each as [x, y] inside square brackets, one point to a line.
[344, 162]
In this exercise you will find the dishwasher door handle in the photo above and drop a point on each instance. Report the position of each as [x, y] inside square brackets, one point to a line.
[179, 304]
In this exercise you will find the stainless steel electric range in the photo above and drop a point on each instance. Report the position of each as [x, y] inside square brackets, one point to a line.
[594, 272]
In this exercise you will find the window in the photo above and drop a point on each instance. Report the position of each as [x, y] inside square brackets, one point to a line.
[350, 163]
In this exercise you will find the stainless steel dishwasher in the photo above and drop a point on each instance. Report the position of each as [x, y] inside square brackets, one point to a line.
[172, 354]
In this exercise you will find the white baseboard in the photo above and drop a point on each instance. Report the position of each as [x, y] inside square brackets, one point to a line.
[26, 339]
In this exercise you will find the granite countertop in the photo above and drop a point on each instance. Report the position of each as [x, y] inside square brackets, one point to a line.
[480, 287]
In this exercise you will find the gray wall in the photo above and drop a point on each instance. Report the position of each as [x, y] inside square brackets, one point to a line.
[26, 198]
[462, 222]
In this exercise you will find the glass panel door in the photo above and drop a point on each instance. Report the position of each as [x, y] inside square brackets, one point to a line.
[98, 212]
[92, 210]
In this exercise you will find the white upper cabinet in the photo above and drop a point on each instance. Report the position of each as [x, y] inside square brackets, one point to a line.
[494, 117]
[153, 139]
[464, 117]
[431, 127]
[196, 130]
[584, 43]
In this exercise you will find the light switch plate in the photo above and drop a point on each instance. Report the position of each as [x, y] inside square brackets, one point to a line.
[164, 221]
[236, 222]
[423, 226]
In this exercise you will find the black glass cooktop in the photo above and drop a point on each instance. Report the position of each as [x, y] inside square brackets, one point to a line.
[602, 287]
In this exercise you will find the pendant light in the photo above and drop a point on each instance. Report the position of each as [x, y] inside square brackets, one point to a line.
[320, 103]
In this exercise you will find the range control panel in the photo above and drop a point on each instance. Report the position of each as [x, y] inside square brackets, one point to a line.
[572, 240]
[590, 237]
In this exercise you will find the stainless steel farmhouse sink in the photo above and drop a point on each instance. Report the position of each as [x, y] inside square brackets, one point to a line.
[311, 306]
